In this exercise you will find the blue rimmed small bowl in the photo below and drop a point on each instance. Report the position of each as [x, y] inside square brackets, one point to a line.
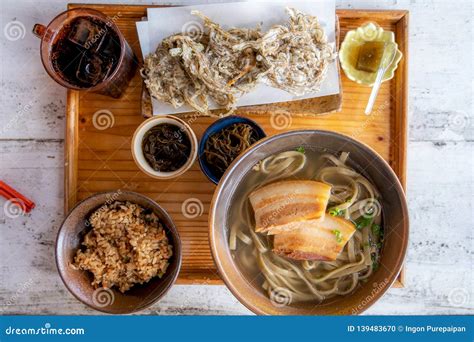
[215, 128]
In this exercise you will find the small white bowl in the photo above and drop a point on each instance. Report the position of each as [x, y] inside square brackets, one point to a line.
[137, 151]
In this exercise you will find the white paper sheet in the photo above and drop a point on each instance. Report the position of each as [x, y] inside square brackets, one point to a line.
[142, 30]
[163, 22]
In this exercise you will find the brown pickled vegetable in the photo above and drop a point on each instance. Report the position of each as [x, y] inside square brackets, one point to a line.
[224, 146]
[166, 147]
[370, 56]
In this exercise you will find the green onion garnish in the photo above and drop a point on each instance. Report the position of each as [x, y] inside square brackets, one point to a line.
[338, 235]
[336, 212]
[376, 229]
[362, 222]
[375, 266]
[300, 149]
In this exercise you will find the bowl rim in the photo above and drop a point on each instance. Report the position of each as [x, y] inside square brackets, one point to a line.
[154, 121]
[173, 228]
[207, 133]
[389, 73]
[225, 178]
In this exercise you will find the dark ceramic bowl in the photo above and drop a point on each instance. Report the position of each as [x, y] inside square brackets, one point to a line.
[78, 282]
[362, 157]
[216, 127]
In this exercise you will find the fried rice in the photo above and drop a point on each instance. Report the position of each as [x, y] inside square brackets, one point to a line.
[127, 245]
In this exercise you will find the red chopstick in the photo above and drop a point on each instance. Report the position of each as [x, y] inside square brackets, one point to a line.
[15, 197]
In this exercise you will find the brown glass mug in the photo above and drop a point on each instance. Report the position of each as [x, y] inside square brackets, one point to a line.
[83, 49]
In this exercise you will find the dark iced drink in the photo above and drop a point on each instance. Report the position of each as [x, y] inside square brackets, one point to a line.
[83, 49]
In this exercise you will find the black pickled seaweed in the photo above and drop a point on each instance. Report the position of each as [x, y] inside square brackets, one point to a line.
[166, 147]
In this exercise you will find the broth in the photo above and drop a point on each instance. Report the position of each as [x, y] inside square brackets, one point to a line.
[287, 281]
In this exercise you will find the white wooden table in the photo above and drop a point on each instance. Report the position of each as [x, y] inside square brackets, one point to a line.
[440, 169]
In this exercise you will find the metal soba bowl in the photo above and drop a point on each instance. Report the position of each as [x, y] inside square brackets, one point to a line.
[363, 159]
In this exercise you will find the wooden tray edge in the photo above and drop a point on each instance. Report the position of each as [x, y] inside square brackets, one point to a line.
[401, 76]
[401, 110]
[400, 119]
[71, 145]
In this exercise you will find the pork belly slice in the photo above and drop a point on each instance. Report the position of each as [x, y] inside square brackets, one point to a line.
[276, 205]
[315, 239]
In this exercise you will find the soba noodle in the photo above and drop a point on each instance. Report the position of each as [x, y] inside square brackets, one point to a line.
[353, 197]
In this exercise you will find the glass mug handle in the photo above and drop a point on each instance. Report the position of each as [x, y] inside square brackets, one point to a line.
[39, 30]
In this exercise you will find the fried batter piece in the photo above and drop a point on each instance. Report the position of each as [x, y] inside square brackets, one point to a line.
[221, 65]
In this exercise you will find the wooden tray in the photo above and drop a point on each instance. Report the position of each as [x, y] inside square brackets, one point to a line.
[100, 159]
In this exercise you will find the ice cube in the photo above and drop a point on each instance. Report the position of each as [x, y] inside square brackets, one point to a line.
[92, 69]
[108, 45]
[85, 33]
